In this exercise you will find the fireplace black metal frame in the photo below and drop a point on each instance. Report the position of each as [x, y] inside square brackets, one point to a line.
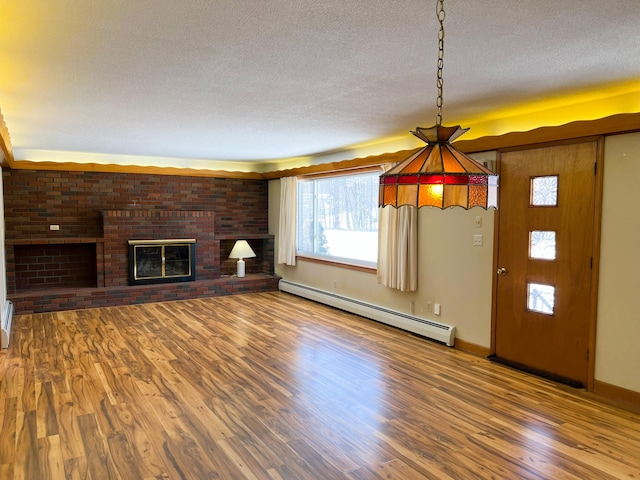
[135, 279]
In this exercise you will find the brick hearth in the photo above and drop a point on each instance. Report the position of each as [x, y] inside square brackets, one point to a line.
[65, 299]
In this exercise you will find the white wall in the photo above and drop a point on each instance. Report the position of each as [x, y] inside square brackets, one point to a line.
[452, 271]
[618, 334]
[459, 276]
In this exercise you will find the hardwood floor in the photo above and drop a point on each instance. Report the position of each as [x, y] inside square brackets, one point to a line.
[270, 386]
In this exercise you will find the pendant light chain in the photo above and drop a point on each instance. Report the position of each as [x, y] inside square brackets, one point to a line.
[440, 82]
[438, 175]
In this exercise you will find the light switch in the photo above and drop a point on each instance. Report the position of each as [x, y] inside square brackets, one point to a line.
[478, 221]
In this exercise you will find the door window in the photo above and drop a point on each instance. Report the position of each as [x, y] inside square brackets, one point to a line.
[541, 298]
[542, 245]
[544, 191]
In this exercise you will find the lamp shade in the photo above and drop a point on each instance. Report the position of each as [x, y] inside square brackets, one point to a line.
[241, 250]
[439, 175]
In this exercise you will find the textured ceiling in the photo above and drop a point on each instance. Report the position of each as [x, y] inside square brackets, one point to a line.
[192, 81]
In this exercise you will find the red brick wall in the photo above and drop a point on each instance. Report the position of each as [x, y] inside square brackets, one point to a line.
[35, 199]
[154, 206]
[55, 266]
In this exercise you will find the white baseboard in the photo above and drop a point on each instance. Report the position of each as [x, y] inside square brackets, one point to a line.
[7, 317]
[421, 326]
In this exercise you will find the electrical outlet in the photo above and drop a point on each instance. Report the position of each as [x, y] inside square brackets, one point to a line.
[477, 240]
[429, 307]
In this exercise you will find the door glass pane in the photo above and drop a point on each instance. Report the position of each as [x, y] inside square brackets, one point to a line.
[148, 263]
[544, 191]
[542, 245]
[541, 298]
[177, 262]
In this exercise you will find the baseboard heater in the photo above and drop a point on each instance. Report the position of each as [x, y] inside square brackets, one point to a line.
[7, 316]
[420, 326]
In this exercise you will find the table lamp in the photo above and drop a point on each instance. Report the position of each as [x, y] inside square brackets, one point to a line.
[241, 250]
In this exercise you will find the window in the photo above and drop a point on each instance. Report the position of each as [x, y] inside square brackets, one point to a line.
[338, 217]
[544, 191]
[542, 245]
[541, 298]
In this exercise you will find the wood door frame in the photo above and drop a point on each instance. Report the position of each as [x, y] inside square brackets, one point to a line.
[595, 269]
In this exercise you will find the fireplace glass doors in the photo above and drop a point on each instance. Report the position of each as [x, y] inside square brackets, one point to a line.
[161, 261]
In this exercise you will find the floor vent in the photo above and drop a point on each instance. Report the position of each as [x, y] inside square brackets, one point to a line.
[421, 326]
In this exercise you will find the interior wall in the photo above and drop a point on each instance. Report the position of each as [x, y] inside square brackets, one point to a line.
[449, 264]
[459, 276]
[618, 329]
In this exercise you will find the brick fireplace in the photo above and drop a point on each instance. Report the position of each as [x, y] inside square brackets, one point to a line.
[85, 263]
[121, 226]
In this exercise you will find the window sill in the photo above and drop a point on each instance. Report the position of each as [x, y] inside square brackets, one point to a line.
[335, 263]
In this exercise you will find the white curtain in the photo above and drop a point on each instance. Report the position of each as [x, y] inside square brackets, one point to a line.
[288, 216]
[398, 248]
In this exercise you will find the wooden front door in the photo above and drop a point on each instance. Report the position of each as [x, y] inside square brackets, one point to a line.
[545, 259]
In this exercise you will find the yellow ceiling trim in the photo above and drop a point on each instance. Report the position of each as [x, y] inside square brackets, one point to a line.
[595, 104]
[118, 168]
[554, 111]
[548, 112]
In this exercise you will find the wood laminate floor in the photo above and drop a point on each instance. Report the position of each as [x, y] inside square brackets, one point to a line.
[270, 386]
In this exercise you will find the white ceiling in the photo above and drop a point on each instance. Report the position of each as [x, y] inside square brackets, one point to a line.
[255, 80]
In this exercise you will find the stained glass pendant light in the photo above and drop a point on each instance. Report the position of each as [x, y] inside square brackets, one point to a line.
[439, 175]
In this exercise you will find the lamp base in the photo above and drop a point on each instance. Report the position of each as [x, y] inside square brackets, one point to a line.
[240, 268]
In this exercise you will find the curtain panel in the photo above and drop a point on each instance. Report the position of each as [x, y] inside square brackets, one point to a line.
[398, 248]
[288, 221]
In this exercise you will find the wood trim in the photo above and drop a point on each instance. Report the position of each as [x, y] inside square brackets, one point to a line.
[113, 168]
[342, 173]
[245, 236]
[5, 144]
[623, 397]
[496, 250]
[331, 263]
[472, 348]
[614, 124]
[343, 165]
[53, 240]
[595, 262]
[556, 143]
